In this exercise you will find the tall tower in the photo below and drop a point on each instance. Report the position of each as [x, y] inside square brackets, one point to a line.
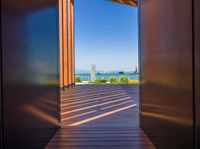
[93, 72]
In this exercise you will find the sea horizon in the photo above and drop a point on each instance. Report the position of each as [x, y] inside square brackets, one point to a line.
[106, 76]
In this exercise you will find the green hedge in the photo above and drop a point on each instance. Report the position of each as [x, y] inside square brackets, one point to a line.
[78, 79]
[124, 80]
[100, 81]
[113, 79]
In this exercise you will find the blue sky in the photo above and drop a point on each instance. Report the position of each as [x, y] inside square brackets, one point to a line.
[106, 34]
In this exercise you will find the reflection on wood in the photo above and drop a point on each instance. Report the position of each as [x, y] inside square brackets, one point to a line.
[100, 116]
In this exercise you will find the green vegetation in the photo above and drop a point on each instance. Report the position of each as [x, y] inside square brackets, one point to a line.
[113, 80]
[78, 79]
[133, 82]
[124, 80]
[100, 81]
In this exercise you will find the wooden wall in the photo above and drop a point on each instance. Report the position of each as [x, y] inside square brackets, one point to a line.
[197, 68]
[1, 120]
[1, 105]
[30, 72]
[67, 51]
[167, 72]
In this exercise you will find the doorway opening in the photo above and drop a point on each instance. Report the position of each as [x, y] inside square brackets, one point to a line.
[105, 35]
[104, 102]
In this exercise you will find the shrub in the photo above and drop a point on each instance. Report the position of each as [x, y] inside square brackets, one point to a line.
[134, 82]
[100, 81]
[124, 80]
[78, 79]
[112, 79]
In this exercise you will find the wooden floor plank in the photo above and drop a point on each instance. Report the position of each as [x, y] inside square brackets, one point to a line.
[100, 117]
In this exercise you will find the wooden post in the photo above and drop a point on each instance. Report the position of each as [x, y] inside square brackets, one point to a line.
[66, 30]
[61, 42]
[69, 46]
[73, 46]
[65, 43]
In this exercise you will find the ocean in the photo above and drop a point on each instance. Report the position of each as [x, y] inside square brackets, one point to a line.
[131, 76]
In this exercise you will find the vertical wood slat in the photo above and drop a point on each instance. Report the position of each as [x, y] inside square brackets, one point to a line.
[65, 43]
[66, 29]
[69, 41]
[61, 42]
[73, 46]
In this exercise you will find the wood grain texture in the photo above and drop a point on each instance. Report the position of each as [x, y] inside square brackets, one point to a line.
[65, 43]
[73, 42]
[61, 43]
[30, 69]
[1, 100]
[67, 51]
[197, 68]
[69, 41]
[166, 74]
[100, 116]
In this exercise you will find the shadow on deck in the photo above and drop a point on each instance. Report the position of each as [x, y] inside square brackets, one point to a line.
[100, 116]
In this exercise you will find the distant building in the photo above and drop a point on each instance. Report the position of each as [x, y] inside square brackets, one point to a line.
[93, 72]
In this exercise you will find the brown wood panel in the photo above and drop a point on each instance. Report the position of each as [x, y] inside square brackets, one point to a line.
[29, 5]
[166, 72]
[1, 92]
[30, 72]
[100, 116]
[197, 68]
[1, 96]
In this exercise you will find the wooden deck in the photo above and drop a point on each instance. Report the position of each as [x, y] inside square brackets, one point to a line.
[100, 116]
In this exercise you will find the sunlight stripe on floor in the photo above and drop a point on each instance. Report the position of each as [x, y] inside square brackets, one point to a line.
[100, 116]
[116, 105]
[97, 105]
[63, 119]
